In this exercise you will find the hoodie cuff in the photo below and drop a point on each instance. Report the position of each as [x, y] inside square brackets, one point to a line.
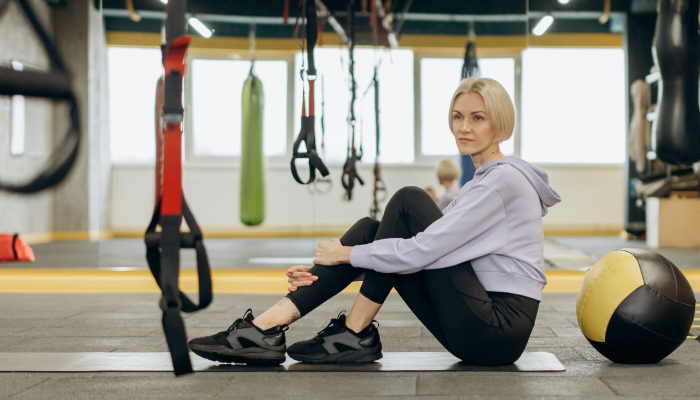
[360, 257]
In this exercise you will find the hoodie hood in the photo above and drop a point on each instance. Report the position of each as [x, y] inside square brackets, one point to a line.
[537, 177]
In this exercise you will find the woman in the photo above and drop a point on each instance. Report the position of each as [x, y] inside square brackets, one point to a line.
[473, 273]
[447, 174]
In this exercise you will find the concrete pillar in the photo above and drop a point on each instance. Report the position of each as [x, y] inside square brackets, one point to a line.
[81, 201]
[25, 214]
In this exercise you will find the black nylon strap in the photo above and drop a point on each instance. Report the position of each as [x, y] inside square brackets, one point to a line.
[307, 133]
[14, 245]
[379, 185]
[311, 35]
[163, 256]
[56, 84]
[309, 138]
[350, 174]
[350, 168]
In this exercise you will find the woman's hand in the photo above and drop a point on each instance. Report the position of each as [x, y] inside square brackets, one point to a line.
[299, 275]
[332, 253]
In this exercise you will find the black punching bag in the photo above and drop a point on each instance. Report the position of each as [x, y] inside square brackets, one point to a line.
[675, 51]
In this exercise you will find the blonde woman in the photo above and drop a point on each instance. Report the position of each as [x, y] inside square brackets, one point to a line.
[472, 273]
[447, 174]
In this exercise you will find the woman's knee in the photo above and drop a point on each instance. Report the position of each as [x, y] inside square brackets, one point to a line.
[409, 192]
[362, 232]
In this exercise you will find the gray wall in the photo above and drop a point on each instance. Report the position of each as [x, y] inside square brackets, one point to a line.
[80, 202]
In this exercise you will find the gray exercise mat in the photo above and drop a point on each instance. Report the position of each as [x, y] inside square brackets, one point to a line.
[156, 362]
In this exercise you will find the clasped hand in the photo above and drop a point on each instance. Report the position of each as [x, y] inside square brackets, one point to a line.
[327, 253]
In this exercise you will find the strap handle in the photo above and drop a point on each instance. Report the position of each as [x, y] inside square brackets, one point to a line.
[308, 137]
[350, 174]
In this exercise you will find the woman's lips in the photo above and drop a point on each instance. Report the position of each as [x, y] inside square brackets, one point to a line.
[464, 140]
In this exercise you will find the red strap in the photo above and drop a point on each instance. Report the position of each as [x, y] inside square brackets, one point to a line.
[160, 101]
[172, 133]
[172, 170]
[176, 55]
[285, 14]
[311, 98]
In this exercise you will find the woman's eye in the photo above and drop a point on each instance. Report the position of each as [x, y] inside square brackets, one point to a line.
[478, 118]
[457, 117]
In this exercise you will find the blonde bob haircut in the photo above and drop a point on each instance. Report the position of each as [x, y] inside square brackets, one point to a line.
[447, 171]
[499, 107]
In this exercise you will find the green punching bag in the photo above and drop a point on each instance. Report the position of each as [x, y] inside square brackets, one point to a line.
[252, 174]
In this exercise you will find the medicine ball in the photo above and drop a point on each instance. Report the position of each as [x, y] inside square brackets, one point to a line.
[635, 306]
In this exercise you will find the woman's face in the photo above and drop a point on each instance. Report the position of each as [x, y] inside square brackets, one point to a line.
[470, 125]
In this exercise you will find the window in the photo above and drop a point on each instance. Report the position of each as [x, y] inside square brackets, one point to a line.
[573, 106]
[217, 87]
[133, 74]
[395, 103]
[439, 79]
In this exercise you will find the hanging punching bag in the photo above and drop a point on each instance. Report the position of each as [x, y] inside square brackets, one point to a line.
[675, 51]
[252, 175]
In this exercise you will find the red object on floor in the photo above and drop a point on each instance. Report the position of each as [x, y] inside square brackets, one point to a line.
[12, 248]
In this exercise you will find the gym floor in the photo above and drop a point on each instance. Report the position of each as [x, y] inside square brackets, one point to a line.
[561, 252]
[130, 322]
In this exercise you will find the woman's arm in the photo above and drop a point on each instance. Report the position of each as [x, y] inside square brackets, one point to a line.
[476, 226]
[332, 253]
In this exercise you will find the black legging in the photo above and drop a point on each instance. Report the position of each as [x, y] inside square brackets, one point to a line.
[479, 327]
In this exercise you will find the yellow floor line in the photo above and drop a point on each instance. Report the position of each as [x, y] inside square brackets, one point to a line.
[224, 281]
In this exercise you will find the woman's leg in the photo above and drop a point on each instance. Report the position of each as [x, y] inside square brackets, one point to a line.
[410, 211]
[486, 328]
[473, 324]
[477, 326]
[331, 281]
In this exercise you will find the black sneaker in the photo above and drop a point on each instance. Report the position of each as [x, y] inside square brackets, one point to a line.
[243, 342]
[338, 344]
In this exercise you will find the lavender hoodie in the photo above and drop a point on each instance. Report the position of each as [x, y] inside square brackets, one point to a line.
[495, 222]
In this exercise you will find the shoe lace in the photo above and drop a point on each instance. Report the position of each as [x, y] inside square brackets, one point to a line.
[331, 324]
[235, 323]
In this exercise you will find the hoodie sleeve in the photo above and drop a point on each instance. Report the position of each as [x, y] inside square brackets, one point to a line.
[449, 206]
[470, 223]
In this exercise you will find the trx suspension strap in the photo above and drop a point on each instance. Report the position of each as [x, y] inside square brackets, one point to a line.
[350, 168]
[379, 185]
[163, 247]
[57, 85]
[470, 68]
[323, 185]
[307, 133]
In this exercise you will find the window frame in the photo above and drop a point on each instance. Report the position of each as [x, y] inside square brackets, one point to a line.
[419, 54]
[194, 160]
[282, 162]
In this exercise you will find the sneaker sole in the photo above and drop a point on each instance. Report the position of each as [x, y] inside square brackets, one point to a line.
[252, 357]
[346, 357]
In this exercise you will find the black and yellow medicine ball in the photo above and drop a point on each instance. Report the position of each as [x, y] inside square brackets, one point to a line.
[635, 306]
